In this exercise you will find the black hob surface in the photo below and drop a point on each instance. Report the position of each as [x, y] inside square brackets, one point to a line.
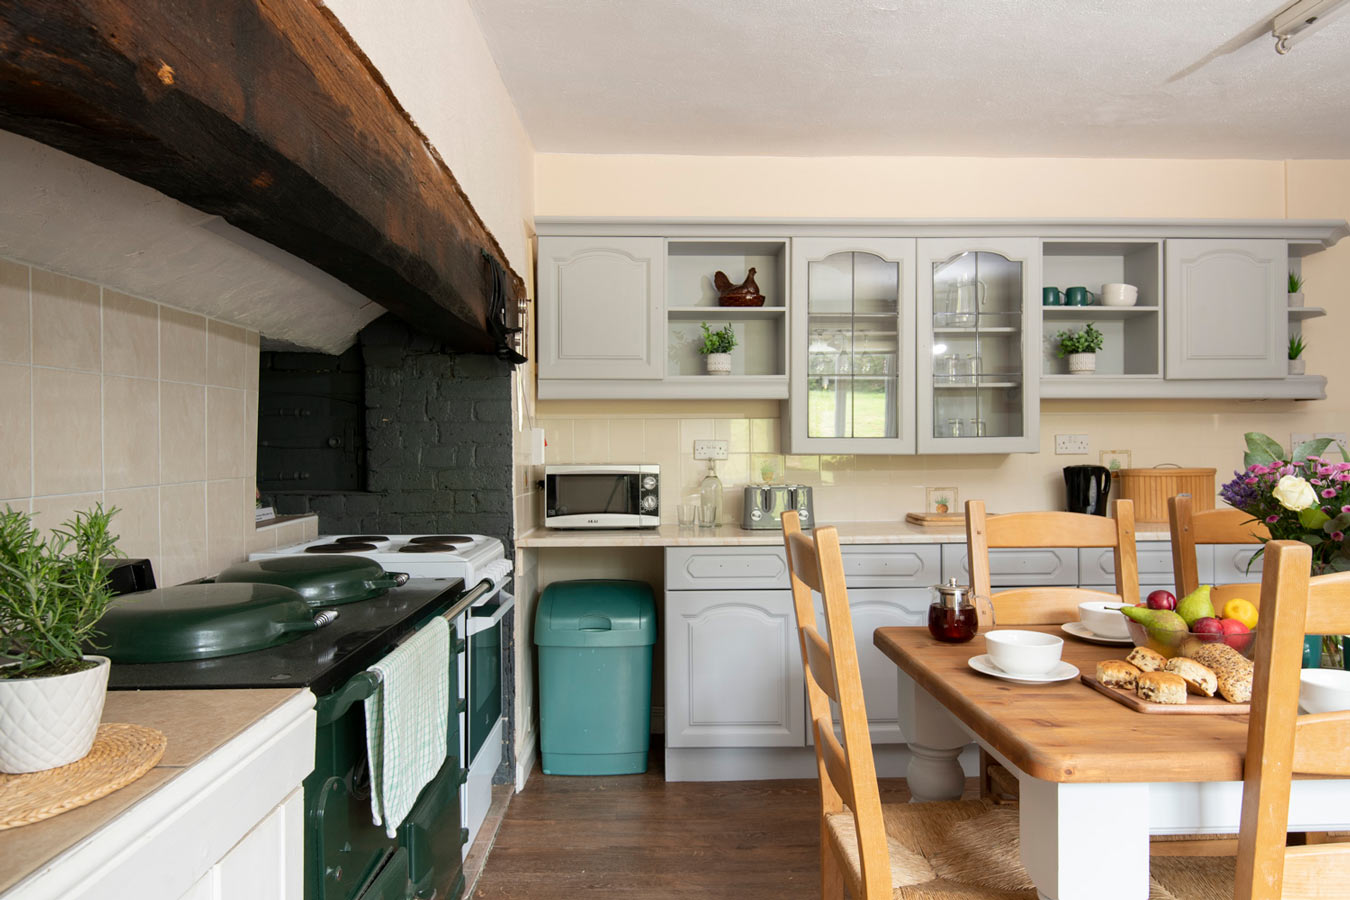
[321, 660]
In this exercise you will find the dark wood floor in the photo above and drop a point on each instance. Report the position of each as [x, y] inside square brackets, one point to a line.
[637, 837]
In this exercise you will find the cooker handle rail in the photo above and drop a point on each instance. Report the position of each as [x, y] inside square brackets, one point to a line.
[333, 707]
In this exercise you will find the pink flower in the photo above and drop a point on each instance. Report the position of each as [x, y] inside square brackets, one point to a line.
[1328, 493]
[1271, 520]
[1345, 509]
[1316, 481]
[1338, 535]
[1324, 470]
[1251, 481]
[1342, 466]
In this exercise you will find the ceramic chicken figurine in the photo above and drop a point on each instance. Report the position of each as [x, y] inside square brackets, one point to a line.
[744, 294]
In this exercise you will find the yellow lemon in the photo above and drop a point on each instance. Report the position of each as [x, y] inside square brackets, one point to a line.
[1242, 610]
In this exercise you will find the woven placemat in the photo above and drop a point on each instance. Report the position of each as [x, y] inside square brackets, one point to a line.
[120, 755]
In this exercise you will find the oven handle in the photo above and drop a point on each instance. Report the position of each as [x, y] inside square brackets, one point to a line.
[488, 615]
[360, 686]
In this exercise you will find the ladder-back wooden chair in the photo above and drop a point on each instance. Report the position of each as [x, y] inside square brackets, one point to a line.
[1282, 743]
[1212, 526]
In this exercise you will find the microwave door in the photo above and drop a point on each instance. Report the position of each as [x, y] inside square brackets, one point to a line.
[592, 495]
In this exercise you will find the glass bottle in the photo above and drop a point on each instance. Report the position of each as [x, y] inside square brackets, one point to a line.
[710, 497]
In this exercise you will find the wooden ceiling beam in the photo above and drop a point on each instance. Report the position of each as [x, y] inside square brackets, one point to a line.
[266, 113]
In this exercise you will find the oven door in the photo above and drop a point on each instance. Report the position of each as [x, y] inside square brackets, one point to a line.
[483, 738]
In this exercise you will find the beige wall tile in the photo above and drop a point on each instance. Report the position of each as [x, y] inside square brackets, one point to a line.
[226, 433]
[803, 469]
[694, 430]
[182, 346]
[261, 539]
[130, 336]
[590, 440]
[251, 360]
[251, 436]
[289, 533]
[226, 521]
[557, 441]
[224, 355]
[309, 528]
[130, 432]
[182, 432]
[16, 432]
[182, 522]
[53, 512]
[67, 445]
[66, 322]
[764, 435]
[626, 442]
[14, 326]
[137, 522]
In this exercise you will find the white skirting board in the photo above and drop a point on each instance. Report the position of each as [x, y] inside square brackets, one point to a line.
[762, 763]
[526, 754]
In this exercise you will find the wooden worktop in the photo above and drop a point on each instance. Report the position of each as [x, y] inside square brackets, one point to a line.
[1067, 732]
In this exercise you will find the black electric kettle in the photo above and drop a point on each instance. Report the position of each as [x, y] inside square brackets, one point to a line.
[1085, 489]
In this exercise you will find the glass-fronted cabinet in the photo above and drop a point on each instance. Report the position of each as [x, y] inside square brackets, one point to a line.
[853, 339]
[978, 353]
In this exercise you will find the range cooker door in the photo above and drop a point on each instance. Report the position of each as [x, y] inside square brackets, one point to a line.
[433, 837]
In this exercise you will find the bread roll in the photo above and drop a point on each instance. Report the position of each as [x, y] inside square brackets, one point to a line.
[1235, 683]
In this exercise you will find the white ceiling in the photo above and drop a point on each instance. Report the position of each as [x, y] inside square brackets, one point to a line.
[1103, 78]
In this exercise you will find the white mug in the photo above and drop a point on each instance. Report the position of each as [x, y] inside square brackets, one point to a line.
[1119, 294]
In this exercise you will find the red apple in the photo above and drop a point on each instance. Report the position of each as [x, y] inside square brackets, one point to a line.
[1210, 629]
[1236, 633]
[1162, 600]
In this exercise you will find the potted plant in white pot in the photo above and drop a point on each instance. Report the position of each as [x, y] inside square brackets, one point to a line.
[717, 347]
[52, 594]
[1295, 289]
[1297, 364]
[1081, 348]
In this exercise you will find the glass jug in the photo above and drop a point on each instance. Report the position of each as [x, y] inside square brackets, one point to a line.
[952, 616]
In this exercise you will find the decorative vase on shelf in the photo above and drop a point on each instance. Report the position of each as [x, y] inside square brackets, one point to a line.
[1297, 367]
[1296, 299]
[1082, 363]
[718, 363]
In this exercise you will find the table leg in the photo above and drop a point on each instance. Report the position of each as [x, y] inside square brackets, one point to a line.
[1085, 841]
[935, 740]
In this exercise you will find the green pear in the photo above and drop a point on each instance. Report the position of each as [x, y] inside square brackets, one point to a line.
[1196, 606]
[1163, 625]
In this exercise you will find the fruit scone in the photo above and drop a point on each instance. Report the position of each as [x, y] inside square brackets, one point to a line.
[1146, 660]
[1200, 679]
[1162, 687]
[1118, 673]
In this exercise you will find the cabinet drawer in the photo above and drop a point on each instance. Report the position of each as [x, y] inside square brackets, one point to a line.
[1016, 567]
[726, 568]
[905, 565]
[1098, 566]
[1230, 564]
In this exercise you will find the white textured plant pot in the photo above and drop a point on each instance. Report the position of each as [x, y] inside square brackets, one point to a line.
[1296, 299]
[50, 722]
[1297, 366]
[719, 363]
[1082, 363]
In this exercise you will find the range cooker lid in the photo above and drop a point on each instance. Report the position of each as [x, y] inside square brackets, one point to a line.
[203, 621]
[321, 580]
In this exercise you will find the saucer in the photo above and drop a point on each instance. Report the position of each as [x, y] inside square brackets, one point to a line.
[1061, 672]
[1079, 630]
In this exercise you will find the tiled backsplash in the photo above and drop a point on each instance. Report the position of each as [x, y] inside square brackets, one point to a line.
[108, 397]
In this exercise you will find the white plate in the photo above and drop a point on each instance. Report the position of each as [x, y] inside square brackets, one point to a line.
[1061, 672]
[1079, 630]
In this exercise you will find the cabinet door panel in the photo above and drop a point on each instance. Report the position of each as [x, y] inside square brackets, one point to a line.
[1098, 565]
[733, 670]
[601, 312]
[726, 568]
[871, 609]
[1016, 567]
[1230, 564]
[1226, 311]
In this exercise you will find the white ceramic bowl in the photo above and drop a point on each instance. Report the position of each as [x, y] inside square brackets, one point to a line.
[1119, 294]
[1103, 617]
[1023, 652]
[1323, 690]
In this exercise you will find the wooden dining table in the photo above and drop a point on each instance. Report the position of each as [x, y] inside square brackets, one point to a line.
[1095, 777]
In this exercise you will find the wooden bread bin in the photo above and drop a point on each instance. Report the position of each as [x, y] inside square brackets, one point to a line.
[1150, 489]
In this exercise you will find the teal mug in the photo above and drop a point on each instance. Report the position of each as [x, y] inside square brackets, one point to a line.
[1050, 297]
[1079, 296]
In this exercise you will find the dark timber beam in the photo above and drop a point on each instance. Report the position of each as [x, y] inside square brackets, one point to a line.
[266, 113]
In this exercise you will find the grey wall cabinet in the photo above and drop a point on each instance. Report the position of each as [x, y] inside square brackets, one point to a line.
[1226, 309]
[603, 316]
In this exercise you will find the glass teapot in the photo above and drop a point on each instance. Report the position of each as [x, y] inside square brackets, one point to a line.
[952, 616]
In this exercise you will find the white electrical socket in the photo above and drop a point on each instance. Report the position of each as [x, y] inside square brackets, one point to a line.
[1071, 444]
[711, 449]
[1299, 437]
[1337, 436]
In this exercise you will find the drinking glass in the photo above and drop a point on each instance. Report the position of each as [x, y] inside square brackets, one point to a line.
[968, 369]
[944, 367]
[707, 515]
[956, 428]
[977, 427]
[688, 514]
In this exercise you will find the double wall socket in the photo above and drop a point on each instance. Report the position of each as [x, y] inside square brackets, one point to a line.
[1299, 437]
[1071, 444]
[710, 449]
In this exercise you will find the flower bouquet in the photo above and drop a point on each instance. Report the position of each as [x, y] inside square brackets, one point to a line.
[1298, 496]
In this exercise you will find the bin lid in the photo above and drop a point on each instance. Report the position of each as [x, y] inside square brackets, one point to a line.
[596, 613]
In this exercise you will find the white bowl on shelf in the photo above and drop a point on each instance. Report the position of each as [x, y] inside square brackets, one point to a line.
[1119, 294]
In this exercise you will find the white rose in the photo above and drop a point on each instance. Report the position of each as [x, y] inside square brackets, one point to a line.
[1295, 493]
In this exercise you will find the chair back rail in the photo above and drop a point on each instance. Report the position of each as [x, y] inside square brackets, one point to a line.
[1280, 742]
[1213, 526]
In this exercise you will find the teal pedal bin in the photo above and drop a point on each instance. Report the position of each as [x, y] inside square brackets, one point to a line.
[595, 643]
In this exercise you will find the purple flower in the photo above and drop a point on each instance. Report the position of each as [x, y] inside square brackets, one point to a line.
[1328, 493]
[1271, 520]
[1338, 535]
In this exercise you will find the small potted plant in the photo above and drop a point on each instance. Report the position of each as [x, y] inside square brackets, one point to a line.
[1295, 291]
[717, 347]
[1081, 348]
[52, 594]
[1297, 364]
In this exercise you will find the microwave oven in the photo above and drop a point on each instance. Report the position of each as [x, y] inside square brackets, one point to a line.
[602, 496]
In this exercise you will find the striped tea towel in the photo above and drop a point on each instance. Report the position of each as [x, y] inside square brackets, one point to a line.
[406, 720]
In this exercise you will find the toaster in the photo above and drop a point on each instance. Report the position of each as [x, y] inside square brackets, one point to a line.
[765, 505]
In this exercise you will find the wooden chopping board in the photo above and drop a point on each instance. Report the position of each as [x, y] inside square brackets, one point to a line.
[934, 518]
[1194, 706]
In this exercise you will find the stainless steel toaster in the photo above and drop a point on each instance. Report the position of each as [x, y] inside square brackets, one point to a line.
[765, 504]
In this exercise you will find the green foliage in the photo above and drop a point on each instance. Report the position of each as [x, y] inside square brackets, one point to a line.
[53, 591]
[1295, 285]
[723, 341]
[1263, 450]
[1089, 340]
[1296, 346]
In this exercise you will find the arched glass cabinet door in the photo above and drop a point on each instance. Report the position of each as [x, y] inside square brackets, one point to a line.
[853, 346]
[978, 355]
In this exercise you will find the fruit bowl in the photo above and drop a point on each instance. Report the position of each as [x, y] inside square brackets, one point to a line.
[1183, 643]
